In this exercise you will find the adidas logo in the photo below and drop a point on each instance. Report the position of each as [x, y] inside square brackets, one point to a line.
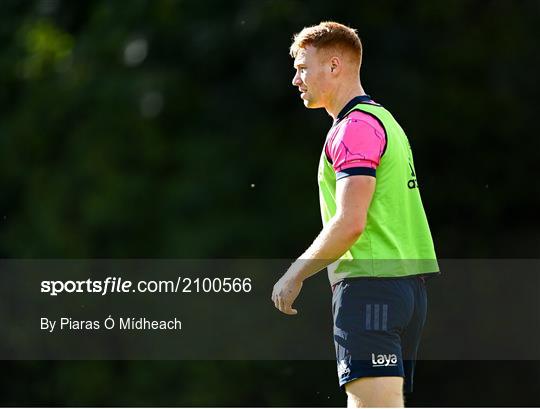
[343, 369]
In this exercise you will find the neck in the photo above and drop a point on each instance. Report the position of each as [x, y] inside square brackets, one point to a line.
[342, 97]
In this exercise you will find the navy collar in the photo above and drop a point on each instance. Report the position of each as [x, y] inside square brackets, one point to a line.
[351, 104]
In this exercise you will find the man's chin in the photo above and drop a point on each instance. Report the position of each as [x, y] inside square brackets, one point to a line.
[311, 105]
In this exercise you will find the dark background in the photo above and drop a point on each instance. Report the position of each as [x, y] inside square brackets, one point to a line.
[170, 129]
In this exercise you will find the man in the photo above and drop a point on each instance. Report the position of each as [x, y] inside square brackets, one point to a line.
[376, 240]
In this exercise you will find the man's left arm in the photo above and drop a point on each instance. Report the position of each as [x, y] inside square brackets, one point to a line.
[353, 197]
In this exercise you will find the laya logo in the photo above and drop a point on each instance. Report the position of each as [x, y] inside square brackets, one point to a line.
[383, 360]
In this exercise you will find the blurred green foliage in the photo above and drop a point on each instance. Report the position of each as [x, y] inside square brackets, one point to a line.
[169, 128]
[44, 47]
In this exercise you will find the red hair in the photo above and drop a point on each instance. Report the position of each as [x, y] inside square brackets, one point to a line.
[328, 35]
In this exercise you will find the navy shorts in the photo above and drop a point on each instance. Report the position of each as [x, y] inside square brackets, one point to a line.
[377, 326]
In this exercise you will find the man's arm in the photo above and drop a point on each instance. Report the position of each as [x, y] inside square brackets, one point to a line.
[353, 197]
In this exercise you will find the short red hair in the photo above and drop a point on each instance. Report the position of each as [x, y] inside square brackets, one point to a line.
[328, 35]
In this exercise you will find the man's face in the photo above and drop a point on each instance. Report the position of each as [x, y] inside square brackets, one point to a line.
[312, 77]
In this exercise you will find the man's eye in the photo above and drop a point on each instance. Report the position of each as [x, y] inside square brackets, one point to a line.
[303, 69]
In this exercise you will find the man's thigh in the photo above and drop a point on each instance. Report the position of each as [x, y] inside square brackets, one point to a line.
[386, 391]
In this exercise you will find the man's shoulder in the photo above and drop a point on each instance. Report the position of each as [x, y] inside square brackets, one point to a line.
[357, 115]
[359, 122]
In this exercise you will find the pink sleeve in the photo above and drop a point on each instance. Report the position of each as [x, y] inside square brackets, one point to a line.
[359, 142]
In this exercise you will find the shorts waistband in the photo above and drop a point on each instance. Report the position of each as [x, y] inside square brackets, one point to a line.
[422, 277]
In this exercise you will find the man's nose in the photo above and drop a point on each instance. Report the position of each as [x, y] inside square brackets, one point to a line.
[296, 80]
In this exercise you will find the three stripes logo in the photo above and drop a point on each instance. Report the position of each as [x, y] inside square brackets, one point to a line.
[376, 317]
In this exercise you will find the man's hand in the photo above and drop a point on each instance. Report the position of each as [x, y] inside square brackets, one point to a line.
[353, 197]
[285, 292]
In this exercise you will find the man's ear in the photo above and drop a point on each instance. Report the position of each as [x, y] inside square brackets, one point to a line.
[335, 65]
